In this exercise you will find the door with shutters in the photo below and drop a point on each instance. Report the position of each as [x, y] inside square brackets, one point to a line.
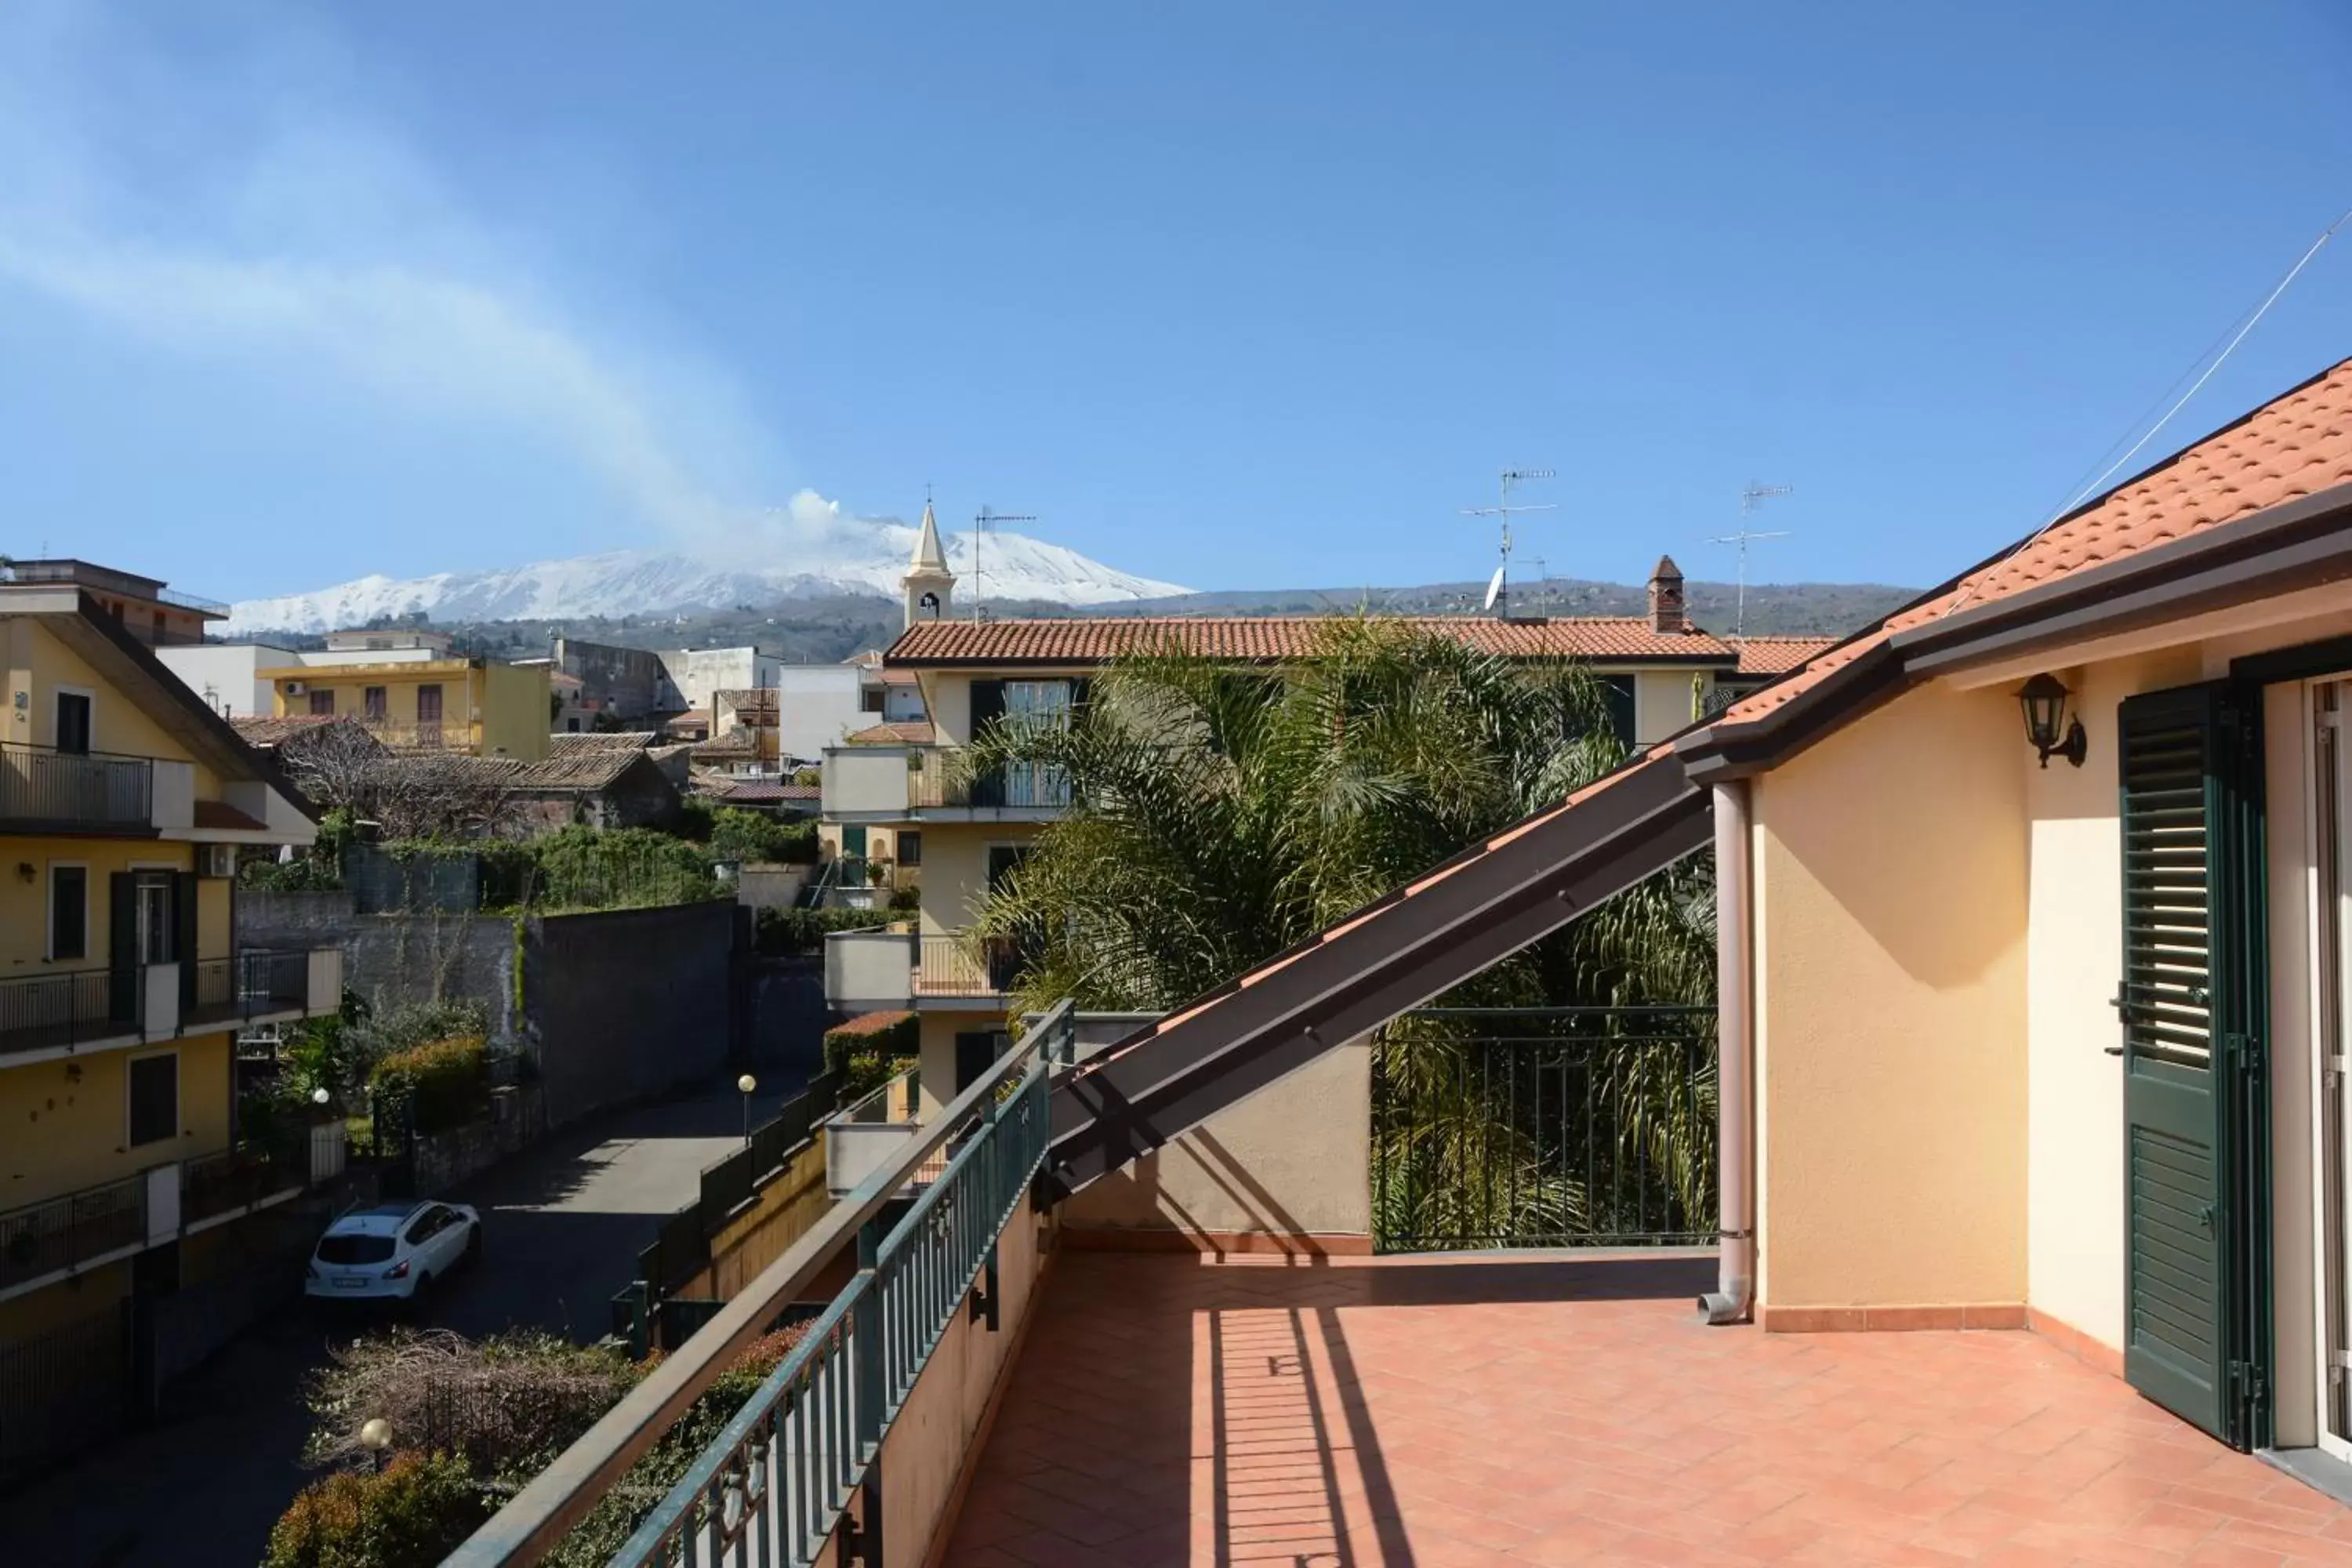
[2190, 1004]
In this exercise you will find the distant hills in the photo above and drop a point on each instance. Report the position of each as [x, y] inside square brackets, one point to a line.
[818, 627]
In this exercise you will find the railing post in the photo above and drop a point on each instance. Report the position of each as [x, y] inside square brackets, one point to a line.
[867, 1378]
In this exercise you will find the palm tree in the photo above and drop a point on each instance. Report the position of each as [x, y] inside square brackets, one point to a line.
[1219, 816]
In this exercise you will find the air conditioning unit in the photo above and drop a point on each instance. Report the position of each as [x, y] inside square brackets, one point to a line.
[294, 688]
[216, 859]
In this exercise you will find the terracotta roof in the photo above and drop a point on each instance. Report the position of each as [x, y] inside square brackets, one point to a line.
[758, 792]
[218, 814]
[573, 742]
[736, 742]
[902, 732]
[1777, 655]
[579, 770]
[1256, 637]
[751, 705]
[2294, 445]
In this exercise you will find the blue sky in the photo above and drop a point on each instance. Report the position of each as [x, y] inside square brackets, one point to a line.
[1231, 295]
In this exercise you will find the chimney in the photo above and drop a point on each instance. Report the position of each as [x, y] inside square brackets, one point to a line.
[1666, 598]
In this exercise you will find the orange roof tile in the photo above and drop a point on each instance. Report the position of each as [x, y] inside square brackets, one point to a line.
[2295, 445]
[1268, 638]
[1777, 655]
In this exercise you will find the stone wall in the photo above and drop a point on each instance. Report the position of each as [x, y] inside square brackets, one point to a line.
[446, 1159]
[391, 961]
[629, 1003]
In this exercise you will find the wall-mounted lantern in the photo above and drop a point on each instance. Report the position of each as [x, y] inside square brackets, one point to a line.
[2043, 698]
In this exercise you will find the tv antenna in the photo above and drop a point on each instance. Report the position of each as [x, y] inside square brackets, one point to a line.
[1498, 590]
[989, 518]
[1750, 498]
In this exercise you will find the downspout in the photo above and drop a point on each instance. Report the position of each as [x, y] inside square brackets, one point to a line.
[1735, 1060]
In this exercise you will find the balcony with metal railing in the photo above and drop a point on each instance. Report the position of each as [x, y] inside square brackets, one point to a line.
[63, 1234]
[936, 783]
[256, 985]
[964, 965]
[427, 735]
[68, 1010]
[44, 789]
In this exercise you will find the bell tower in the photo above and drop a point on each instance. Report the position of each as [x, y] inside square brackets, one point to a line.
[929, 587]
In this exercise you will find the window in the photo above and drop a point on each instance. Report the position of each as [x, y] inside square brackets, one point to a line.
[152, 893]
[69, 912]
[371, 700]
[572, 726]
[73, 721]
[1618, 691]
[869, 700]
[428, 704]
[323, 703]
[355, 1249]
[429, 1224]
[911, 847]
[154, 1099]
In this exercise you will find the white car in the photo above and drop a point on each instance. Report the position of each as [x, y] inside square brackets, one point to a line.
[394, 1251]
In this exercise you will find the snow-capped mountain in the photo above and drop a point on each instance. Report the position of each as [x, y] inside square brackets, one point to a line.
[858, 555]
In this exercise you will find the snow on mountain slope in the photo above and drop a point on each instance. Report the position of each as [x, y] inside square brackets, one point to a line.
[850, 555]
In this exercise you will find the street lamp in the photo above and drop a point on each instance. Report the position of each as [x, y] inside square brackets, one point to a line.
[375, 1436]
[319, 1097]
[747, 1083]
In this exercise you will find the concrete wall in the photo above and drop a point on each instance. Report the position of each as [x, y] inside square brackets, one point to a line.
[225, 674]
[515, 713]
[856, 779]
[1891, 889]
[869, 970]
[780, 1214]
[627, 1004]
[1291, 1160]
[698, 672]
[631, 680]
[816, 705]
[390, 960]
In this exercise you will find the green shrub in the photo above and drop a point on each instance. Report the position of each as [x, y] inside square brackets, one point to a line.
[447, 1083]
[411, 1515]
[617, 869]
[783, 933]
[873, 1034]
[755, 838]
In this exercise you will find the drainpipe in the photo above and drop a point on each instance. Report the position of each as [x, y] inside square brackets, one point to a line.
[1735, 1057]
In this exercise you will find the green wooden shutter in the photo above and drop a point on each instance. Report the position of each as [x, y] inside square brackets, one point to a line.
[2195, 973]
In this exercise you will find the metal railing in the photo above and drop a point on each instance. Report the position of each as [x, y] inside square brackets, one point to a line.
[180, 601]
[442, 736]
[960, 963]
[238, 1178]
[75, 789]
[254, 983]
[64, 1232]
[1544, 1127]
[943, 781]
[70, 1007]
[772, 1485]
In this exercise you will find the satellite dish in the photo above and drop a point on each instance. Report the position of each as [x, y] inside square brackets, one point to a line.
[1494, 588]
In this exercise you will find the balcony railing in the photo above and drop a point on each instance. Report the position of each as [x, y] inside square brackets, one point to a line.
[39, 784]
[58, 1234]
[196, 602]
[960, 963]
[253, 985]
[238, 1178]
[772, 1487]
[70, 1007]
[442, 736]
[1016, 787]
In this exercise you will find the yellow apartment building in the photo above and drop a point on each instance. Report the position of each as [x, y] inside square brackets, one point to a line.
[123, 799]
[476, 705]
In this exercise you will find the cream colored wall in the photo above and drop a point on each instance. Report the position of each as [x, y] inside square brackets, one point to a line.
[1662, 702]
[935, 1053]
[1293, 1159]
[1891, 1019]
[947, 695]
[24, 905]
[39, 663]
[515, 718]
[955, 869]
[399, 682]
[2073, 964]
[63, 1124]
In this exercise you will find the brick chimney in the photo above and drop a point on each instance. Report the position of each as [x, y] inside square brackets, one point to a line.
[1666, 598]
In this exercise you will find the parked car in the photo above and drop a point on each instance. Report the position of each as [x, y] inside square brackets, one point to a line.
[393, 1252]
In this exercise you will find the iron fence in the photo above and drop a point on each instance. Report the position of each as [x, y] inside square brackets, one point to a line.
[69, 1008]
[238, 1178]
[78, 789]
[943, 781]
[63, 1389]
[960, 963]
[1553, 1127]
[252, 983]
[44, 1238]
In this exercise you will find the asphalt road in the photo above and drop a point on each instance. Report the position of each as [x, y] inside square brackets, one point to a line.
[562, 1226]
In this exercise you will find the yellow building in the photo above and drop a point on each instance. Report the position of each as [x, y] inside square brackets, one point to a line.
[475, 706]
[122, 800]
[898, 813]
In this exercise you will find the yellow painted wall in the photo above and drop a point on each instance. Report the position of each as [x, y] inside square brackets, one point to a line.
[63, 1124]
[515, 711]
[936, 1053]
[69, 1302]
[955, 868]
[1662, 702]
[1891, 1019]
[24, 905]
[39, 665]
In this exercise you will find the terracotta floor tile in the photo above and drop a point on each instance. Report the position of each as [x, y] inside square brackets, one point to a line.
[1473, 1412]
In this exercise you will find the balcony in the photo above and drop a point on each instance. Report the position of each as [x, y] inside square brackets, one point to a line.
[931, 783]
[871, 971]
[449, 735]
[65, 1012]
[871, 1133]
[68, 1233]
[45, 790]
